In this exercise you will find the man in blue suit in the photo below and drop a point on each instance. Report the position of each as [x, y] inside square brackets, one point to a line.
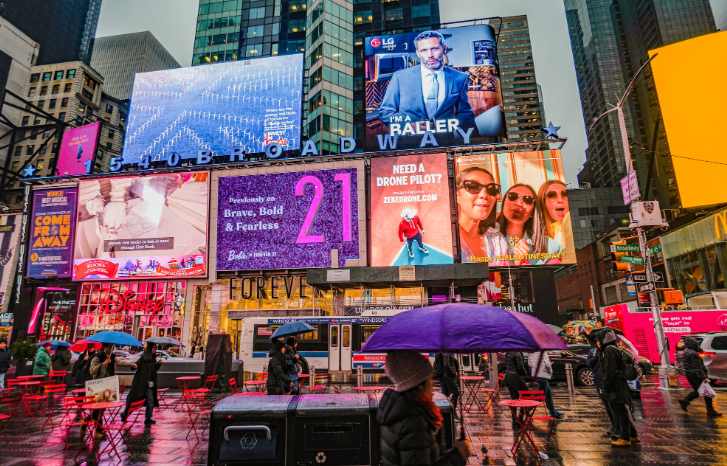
[431, 91]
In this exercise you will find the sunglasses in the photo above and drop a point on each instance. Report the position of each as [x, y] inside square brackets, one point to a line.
[513, 196]
[473, 187]
[554, 194]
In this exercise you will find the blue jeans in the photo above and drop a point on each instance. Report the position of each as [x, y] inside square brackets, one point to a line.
[417, 238]
[544, 385]
[2, 380]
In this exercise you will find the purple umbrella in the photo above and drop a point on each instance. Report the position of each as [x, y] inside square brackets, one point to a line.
[463, 328]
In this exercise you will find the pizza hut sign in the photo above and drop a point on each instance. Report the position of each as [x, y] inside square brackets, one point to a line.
[117, 302]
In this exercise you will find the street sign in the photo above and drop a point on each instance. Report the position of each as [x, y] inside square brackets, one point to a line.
[646, 287]
[633, 260]
[657, 277]
[638, 277]
[625, 248]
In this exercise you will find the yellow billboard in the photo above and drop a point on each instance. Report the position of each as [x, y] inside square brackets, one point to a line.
[690, 82]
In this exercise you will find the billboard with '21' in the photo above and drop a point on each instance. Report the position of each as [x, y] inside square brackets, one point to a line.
[445, 82]
[142, 227]
[221, 108]
[291, 219]
[512, 209]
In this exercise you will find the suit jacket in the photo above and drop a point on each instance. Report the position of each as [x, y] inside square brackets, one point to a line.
[404, 97]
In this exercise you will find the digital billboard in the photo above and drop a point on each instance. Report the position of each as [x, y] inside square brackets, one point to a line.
[141, 227]
[9, 236]
[50, 252]
[512, 209]
[693, 114]
[444, 82]
[410, 211]
[78, 149]
[300, 218]
[222, 108]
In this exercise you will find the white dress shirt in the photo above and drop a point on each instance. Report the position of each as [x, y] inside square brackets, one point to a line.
[427, 82]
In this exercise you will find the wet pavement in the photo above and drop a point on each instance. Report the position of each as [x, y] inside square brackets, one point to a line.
[668, 436]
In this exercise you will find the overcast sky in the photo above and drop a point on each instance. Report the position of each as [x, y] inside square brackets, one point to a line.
[173, 23]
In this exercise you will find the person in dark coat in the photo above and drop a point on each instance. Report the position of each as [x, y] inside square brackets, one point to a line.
[293, 364]
[144, 385]
[61, 360]
[616, 389]
[409, 419]
[278, 381]
[446, 370]
[594, 363]
[516, 372]
[696, 372]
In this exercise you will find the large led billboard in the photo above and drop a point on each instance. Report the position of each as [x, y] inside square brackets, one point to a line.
[300, 218]
[410, 211]
[692, 109]
[9, 242]
[78, 149]
[445, 82]
[50, 252]
[141, 227]
[223, 108]
[512, 209]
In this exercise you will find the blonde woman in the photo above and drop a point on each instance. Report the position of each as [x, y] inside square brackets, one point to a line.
[553, 197]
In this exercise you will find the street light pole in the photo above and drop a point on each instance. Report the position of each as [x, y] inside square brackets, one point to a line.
[640, 233]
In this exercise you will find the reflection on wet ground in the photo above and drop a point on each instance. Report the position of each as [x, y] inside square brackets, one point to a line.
[668, 436]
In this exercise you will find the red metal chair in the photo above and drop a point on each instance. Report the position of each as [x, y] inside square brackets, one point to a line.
[194, 403]
[210, 381]
[536, 395]
[232, 384]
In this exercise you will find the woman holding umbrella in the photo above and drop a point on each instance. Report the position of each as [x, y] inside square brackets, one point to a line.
[410, 419]
[278, 381]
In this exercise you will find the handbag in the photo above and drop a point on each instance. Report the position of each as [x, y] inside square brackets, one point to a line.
[706, 390]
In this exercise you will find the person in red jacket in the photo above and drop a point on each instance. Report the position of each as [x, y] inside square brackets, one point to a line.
[411, 229]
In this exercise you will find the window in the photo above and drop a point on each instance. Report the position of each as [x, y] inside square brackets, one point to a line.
[52, 104]
[56, 89]
[44, 90]
[34, 77]
[67, 87]
[64, 102]
[421, 11]
[253, 50]
[40, 103]
[18, 150]
[109, 108]
[108, 145]
[29, 149]
[112, 133]
[255, 31]
[58, 75]
[47, 76]
[257, 13]
[62, 116]
[26, 120]
[71, 73]
[31, 91]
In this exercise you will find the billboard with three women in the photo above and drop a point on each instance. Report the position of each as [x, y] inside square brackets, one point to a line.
[512, 209]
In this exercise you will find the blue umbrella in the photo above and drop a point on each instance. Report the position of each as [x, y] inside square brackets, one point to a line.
[292, 328]
[111, 337]
[55, 343]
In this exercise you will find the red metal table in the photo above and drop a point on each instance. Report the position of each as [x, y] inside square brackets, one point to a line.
[471, 385]
[109, 411]
[255, 385]
[526, 409]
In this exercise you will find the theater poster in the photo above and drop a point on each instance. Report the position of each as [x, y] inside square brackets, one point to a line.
[50, 253]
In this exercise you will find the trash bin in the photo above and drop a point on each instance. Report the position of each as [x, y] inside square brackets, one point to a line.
[249, 430]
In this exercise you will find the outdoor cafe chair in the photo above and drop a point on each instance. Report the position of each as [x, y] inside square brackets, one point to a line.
[536, 395]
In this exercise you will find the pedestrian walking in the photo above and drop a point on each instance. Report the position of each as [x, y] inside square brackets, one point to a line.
[144, 385]
[278, 382]
[409, 418]
[616, 389]
[42, 362]
[696, 373]
[542, 376]
[5, 358]
[295, 363]
[594, 363]
[81, 368]
[446, 370]
[515, 374]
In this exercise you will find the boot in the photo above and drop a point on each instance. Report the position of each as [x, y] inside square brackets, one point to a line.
[684, 404]
[711, 412]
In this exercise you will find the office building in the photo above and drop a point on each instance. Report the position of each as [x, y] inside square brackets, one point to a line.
[65, 29]
[119, 58]
[610, 40]
[593, 211]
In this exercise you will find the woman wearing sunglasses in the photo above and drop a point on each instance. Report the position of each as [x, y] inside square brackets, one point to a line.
[521, 224]
[553, 196]
[477, 196]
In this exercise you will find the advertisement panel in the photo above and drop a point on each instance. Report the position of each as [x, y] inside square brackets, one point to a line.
[139, 227]
[444, 81]
[295, 219]
[513, 209]
[694, 126]
[410, 209]
[222, 108]
[9, 235]
[78, 150]
[50, 252]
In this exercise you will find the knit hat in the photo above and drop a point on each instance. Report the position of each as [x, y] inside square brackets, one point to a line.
[407, 369]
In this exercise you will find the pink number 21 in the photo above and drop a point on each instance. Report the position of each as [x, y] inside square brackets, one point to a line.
[304, 236]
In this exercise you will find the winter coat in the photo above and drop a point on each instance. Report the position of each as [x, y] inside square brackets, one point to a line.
[80, 371]
[408, 434]
[97, 369]
[62, 360]
[692, 362]
[5, 357]
[594, 363]
[615, 387]
[146, 371]
[546, 368]
[41, 365]
[409, 228]
[278, 380]
[446, 367]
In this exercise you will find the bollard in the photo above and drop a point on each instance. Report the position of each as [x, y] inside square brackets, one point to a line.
[312, 379]
[359, 376]
[569, 378]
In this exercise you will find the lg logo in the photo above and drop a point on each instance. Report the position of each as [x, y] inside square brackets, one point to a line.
[376, 42]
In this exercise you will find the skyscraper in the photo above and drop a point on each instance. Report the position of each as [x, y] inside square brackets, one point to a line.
[610, 40]
[64, 28]
[119, 58]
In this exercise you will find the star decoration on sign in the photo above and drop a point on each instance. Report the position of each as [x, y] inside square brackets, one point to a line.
[28, 171]
[551, 131]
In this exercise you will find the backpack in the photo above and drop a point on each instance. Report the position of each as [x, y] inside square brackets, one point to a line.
[632, 371]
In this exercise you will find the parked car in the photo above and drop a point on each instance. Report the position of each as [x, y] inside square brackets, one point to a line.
[714, 353]
[582, 374]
